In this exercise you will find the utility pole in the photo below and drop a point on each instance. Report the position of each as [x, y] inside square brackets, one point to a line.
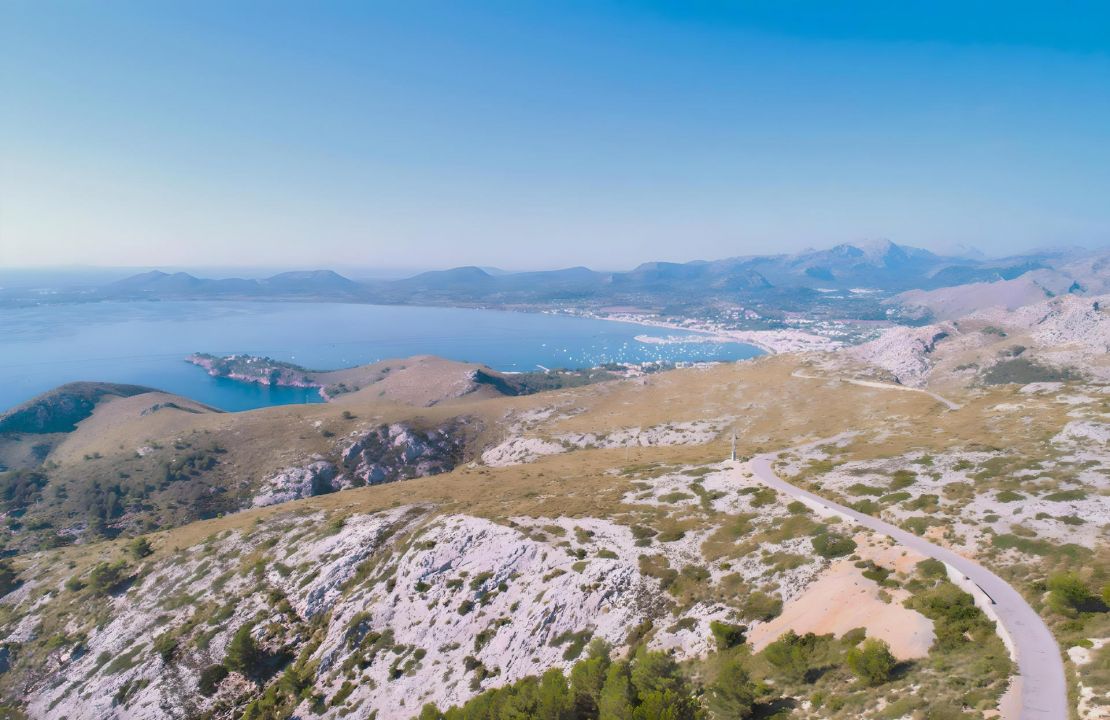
[734, 446]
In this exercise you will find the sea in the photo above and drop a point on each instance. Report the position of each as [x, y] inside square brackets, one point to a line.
[146, 342]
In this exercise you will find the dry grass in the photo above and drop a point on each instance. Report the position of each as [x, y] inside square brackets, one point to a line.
[771, 409]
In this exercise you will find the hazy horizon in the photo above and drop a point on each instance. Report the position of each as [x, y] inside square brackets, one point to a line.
[106, 273]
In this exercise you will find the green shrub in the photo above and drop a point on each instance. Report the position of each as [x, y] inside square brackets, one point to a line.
[695, 573]
[575, 642]
[166, 646]
[210, 679]
[727, 635]
[1066, 496]
[675, 496]
[831, 545]
[1044, 548]
[871, 662]
[8, 579]
[902, 479]
[105, 578]
[792, 654]
[1024, 371]
[927, 502]
[760, 606]
[763, 496]
[1068, 595]
[140, 548]
[956, 620]
[932, 568]
[650, 686]
[918, 524]
[732, 694]
[243, 654]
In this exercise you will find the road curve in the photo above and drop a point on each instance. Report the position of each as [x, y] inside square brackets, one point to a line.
[1043, 693]
[882, 386]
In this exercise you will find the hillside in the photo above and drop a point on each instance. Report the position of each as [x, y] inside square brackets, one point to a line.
[30, 431]
[960, 300]
[421, 380]
[550, 521]
[62, 408]
[1056, 339]
[368, 556]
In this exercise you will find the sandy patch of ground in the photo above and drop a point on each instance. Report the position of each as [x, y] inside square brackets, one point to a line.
[842, 599]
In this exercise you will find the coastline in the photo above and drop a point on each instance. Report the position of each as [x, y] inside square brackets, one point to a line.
[773, 342]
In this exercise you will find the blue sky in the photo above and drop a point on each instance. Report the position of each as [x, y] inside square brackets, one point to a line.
[525, 134]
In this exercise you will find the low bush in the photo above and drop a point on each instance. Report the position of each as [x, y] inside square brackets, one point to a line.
[210, 679]
[871, 662]
[727, 635]
[831, 545]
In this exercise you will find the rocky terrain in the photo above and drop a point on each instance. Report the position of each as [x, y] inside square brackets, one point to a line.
[367, 556]
[380, 612]
[1045, 341]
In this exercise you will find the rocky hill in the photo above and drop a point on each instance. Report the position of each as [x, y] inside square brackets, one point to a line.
[333, 611]
[1055, 339]
[368, 558]
[422, 380]
[60, 410]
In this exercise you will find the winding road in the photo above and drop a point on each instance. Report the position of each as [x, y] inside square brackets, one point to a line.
[881, 386]
[1040, 689]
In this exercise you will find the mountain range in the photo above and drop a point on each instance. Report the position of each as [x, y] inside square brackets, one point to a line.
[883, 268]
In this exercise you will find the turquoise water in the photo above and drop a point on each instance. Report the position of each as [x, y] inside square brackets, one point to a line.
[146, 342]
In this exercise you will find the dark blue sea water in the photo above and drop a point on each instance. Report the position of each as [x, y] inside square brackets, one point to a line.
[146, 342]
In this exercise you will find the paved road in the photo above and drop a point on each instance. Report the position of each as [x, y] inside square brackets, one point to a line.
[1042, 690]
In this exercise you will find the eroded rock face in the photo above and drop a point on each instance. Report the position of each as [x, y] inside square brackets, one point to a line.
[80, 683]
[383, 454]
[317, 478]
[905, 352]
[400, 451]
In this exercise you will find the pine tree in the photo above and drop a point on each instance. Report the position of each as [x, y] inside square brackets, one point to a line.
[243, 653]
[791, 654]
[654, 671]
[662, 705]
[660, 688]
[587, 677]
[872, 662]
[520, 702]
[732, 695]
[430, 712]
[553, 702]
[615, 702]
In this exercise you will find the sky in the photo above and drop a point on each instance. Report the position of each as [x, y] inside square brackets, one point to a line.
[524, 134]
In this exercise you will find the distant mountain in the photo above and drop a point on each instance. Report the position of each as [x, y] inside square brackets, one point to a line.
[310, 282]
[949, 303]
[157, 284]
[787, 281]
[1008, 285]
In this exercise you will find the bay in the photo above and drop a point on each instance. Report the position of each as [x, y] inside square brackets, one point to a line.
[145, 343]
